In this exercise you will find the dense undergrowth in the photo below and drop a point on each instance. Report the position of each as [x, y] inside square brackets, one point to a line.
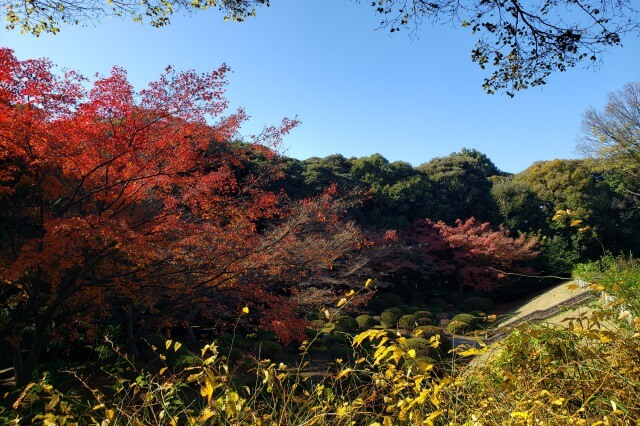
[586, 371]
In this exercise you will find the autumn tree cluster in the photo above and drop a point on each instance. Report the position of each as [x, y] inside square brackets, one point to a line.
[137, 209]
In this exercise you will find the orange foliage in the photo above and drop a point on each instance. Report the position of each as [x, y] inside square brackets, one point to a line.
[138, 207]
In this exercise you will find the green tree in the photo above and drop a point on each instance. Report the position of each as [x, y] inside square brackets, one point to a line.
[519, 209]
[319, 173]
[399, 193]
[462, 185]
[582, 212]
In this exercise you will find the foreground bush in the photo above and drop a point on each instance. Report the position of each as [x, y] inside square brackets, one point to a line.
[586, 372]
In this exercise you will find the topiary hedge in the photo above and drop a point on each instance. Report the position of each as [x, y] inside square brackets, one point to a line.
[423, 314]
[365, 322]
[458, 327]
[473, 322]
[420, 345]
[407, 322]
[346, 324]
[428, 331]
[390, 316]
[424, 321]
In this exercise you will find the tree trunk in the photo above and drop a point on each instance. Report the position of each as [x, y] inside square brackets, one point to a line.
[131, 346]
[192, 341]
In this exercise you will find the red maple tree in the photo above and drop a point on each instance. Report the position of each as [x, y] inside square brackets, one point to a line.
[473, 253]
[138, 208]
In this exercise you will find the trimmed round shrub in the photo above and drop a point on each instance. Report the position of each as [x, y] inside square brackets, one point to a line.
[467, 318]
[337, 339]
[424, 321]
[420, 345]
[458, 327]
[407, 322]
[418, 298]
[423, 314]
[427, 332]
[346, 324]
[365, 322]
[442, 315]
[391, 298]
[267, 349]
[390, 316]
[477, 303]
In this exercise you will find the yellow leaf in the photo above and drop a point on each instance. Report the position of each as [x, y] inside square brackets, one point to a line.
[366, 284]
[343, 373]
[520, 414]
[162, 370]
[206, 414]
[573, 286]
[245, 310]
[176, 346]
[167, 344]
[411, 353]
[558, 401]
[469, 352]
[350, 293]
[342, 302]
[576, 222]
[326, 313]
[193, 377]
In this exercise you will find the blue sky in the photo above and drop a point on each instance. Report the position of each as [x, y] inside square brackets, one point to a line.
[356, 90]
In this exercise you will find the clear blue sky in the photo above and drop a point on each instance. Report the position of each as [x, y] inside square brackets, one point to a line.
[357, 91]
